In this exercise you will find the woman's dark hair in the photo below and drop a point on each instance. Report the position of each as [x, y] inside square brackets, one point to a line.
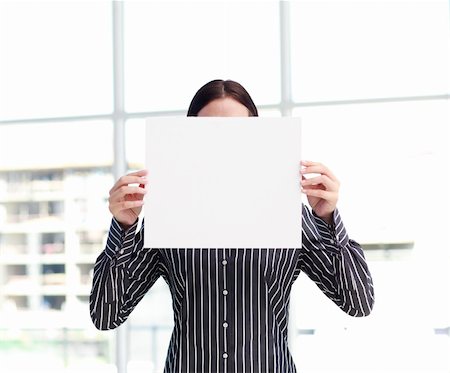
[219, 89]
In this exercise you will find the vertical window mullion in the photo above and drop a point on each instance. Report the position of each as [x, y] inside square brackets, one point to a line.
[119, 160]
[285, 59]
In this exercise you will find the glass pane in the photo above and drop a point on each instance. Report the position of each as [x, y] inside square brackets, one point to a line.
[173, 48]
[150, 330]
[56, 59]
[55, 146]
[135, 143]
[360, 49]
[383, 155]
[393, 161]
[54, 183]
[269, 113]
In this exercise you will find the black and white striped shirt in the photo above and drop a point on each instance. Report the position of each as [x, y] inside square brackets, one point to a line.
[230, 305]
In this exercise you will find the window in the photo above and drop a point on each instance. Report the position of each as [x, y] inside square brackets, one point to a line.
[371, 84]
[345, 50]
[202, 41]
[51, 66]
[52, 191]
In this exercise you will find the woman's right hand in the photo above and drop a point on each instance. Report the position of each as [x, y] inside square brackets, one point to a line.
[125, 201]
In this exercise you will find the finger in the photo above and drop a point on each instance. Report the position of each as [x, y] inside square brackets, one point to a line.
[320, 193]
[127, 190]
[123, 191]
[134, 177]
[308, 163]
[305, 164]
[141, 196]
[134, 197]
[125, 205]
[321, 180]
[314, 168]
[138, 173]
[127, 179]
[318, 169]
[320, 186]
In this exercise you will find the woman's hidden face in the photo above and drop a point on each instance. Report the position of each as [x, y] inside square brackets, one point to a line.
[224, 107]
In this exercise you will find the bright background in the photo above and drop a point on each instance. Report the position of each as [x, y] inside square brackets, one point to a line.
[370, 81]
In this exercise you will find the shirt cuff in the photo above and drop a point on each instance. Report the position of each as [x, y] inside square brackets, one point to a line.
[120, 242]
[334, 233]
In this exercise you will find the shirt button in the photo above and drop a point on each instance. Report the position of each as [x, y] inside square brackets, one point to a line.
[117, 248]
[121, 252]
[225, 292]
[225, 325]
[225, 355]
[224, 262]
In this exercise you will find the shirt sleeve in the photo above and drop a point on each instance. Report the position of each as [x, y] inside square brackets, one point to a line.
[336, 264]
[123, 272]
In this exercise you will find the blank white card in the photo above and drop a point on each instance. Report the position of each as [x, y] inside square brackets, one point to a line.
[223, 183]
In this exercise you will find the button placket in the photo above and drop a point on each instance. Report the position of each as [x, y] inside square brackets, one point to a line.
[225, 293]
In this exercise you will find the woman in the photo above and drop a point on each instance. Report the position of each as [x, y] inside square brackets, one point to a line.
[230, 305]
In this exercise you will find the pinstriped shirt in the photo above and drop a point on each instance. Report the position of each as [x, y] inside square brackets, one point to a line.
[231, 306]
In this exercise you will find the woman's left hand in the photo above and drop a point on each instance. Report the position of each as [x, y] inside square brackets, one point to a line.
[322, 190]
